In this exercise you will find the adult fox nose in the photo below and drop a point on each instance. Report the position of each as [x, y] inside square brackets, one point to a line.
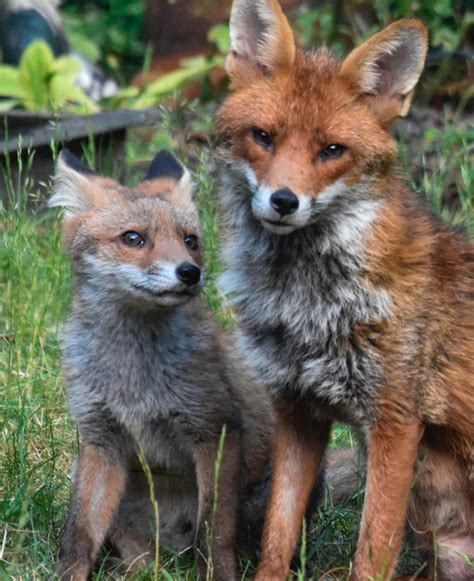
[188, 273]
[284, 202]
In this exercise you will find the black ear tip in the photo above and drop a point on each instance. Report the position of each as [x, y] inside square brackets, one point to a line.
[165, 165]
[74, 163]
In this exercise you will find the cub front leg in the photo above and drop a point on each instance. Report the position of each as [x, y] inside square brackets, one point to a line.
[392, 453]
[217, 508]
[98, 487]
[299, 447]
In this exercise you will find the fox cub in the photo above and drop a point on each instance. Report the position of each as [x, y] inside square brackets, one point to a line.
[147, 369]
[355, 303]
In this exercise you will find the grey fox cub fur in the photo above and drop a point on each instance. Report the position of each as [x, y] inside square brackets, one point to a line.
[147, 367]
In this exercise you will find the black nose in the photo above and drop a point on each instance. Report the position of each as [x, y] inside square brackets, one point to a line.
[188, 273]
[284, 201]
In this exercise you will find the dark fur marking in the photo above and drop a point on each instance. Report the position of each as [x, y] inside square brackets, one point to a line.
[165, 165]
[75, 163]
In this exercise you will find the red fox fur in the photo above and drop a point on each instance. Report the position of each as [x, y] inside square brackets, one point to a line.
[355, 303]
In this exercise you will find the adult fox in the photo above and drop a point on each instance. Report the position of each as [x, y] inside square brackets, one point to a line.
[355, 302]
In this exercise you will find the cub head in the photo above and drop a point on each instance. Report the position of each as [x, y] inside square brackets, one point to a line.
[305, 131]
[138, 246]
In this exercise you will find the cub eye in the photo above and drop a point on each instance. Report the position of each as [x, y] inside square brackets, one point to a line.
[333, 151]
[132, 238]
[262, 137]
[191, 242]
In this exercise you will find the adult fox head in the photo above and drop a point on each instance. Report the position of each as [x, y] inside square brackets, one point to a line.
[304, 130]
[136, 245]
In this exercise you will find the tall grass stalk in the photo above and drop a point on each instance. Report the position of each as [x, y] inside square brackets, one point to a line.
[215, 500]
[156, 510]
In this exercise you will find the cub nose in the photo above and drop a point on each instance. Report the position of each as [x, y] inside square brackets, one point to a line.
[188, 273]
[284, 201]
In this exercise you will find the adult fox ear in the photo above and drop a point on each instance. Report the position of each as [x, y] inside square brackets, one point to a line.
[76, 188]
[261, 41]
[388, 65]
[167, 178]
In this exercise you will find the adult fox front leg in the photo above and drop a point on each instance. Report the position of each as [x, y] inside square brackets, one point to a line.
[98, 488]
[298, 451]
[392, 453]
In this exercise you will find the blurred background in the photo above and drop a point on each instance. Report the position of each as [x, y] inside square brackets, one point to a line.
[129, 44]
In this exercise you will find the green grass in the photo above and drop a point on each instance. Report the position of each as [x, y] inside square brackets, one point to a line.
[38, 441]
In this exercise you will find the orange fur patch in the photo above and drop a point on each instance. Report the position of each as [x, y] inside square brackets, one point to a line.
[298, 450]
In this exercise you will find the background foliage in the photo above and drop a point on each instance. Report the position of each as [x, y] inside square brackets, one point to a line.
[111, 35]
[115, 28]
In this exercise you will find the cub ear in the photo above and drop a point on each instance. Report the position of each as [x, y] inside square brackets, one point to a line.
[165, 165]
[74, 162]
[261, 41]
[167, 178]
[75, 188]
[389, 64]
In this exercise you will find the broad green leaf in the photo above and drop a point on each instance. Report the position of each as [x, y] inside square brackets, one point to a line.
[121, 98]
[144, 102]
[169, 82]
[7, 104]
[84, 45]
[61, 88]
[78, 33]
[9, 82]
[219, 35]
[67, 96]
[35, 69]
[79, 102]
[66, 65]
[446, 38]
[201, 62]
[195, 68]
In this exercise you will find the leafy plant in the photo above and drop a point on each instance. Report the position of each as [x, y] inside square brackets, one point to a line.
[319, 26]
[447, 20]
[109, 33]
[342, 25]
[192, 69]
[353, 21]
[43, 83]
[219, 34]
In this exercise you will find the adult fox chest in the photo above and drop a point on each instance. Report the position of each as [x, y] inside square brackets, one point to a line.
[309, 345]
[331, 368]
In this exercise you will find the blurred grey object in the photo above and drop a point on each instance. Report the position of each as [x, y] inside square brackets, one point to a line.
[24, 21]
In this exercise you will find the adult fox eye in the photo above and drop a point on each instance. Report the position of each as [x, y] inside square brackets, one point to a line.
[262, 137]
[333, 151]
[191, 242]
[132, 238]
